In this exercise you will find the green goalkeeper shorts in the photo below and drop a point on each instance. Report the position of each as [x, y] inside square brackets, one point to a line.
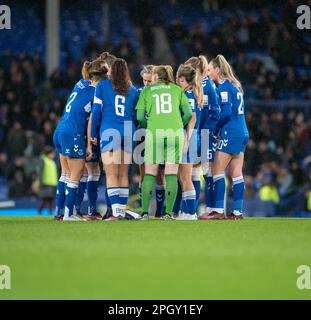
[163, 146]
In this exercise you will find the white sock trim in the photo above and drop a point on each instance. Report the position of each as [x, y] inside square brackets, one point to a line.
[159, 187]
[218, 177]
[196, 174]
[63, 178]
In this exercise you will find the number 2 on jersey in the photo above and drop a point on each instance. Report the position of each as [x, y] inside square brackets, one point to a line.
[71, 98]
[119, 104]
[163, 103]
[241, 105]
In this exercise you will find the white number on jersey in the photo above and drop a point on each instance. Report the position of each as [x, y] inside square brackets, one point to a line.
[71, 98]
[192, 104]
[241, 106]
[163, 103]
[119, 105]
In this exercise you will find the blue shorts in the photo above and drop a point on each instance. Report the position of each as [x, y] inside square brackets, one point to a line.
[56, 142]
[212, 147]
[232, 144]
[194, 151]
[72, 145]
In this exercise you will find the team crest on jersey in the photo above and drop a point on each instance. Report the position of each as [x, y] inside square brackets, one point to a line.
[224, 96]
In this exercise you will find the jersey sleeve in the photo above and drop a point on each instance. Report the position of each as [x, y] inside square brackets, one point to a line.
[185, 109]
[213, 105]
[225, 102]
[96, 110]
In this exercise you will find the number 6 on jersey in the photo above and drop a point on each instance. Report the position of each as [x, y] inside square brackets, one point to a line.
[119, 104]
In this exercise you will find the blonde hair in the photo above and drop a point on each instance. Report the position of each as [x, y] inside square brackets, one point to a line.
[164, 72]
[199, 63]
[194, 81]
[146, 70]
[226, 71]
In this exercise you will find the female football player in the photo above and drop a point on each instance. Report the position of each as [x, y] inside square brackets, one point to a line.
[113, 110]
[209, 119]
[72, 131]
[189, 81]
[167, 110]
[234, 136]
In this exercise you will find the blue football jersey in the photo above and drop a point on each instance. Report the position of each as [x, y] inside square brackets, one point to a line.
[232, 117]
[78, 107]
[195, 107]
[210, 111]
[113, 109]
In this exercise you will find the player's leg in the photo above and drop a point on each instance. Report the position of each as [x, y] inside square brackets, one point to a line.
[61, 186]
[151, 170]
[188, 192]
[76, 167]
[236, 173]
[171, 188]
[196, 180]
[222, 160]
[124, 180]
[152, 159]
[160, 191]
[208, 174]
[173, 157]
[81, 191]
[93, 170]
[111, 161]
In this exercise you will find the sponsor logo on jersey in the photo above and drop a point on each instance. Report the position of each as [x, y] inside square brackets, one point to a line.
[224, 96]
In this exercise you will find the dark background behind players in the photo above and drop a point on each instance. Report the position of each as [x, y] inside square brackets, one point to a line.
[276, 78]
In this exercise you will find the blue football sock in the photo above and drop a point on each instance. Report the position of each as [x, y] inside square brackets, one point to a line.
[160, 198]
[208, 192]
[60, 195]
[238, 192]
[71, 194]
[196, 180]
[80, 193]
[107, 198]
[219, 192]
[123, 199]
[189, 200]
[92, 192]
[114, 197]
[178, 201]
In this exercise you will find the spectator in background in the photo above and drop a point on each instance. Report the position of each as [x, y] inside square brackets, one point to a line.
[48, 179]
[17, 140]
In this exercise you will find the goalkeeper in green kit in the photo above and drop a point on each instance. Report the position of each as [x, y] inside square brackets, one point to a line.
[164, 110]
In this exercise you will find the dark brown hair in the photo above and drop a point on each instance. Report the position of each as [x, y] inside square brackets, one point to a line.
[94, 71]
[107, 58]
[120, 77]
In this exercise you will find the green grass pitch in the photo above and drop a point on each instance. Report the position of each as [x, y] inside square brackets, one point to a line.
[249, 259]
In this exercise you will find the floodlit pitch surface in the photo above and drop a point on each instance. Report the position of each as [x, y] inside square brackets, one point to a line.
[249, 259]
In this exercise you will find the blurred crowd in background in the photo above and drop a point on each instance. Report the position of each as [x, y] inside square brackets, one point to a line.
[271, 58]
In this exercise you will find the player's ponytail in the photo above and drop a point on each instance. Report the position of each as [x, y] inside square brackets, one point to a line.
[193, 80]
[165, 73]
[94, 71]
[85, 71]
[199, 63]
[226, 71]
[120, 77]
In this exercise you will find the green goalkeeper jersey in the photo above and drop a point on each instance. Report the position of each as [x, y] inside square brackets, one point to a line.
[164, 105]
